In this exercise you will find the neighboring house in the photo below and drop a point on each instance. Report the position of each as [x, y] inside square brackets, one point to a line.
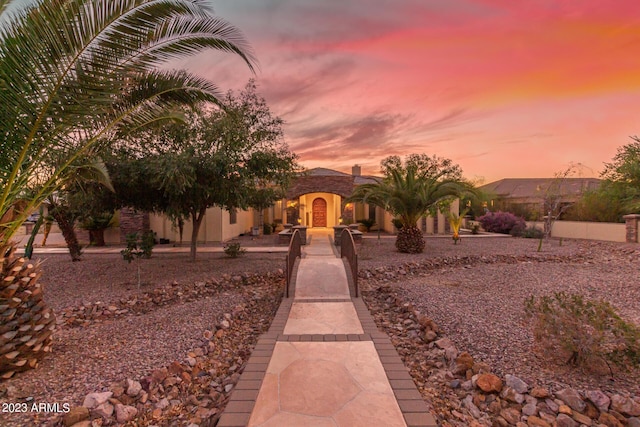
[526, 196]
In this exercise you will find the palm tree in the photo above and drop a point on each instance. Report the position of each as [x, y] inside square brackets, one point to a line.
[409, 195]
[74, 75]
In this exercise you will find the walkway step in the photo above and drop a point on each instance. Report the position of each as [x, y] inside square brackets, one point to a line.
[321, 278]
[323, 362]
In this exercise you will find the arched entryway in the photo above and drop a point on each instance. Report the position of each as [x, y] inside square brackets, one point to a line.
[319, 212]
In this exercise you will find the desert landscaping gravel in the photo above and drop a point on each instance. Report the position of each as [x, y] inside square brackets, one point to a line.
[480, 306]
[111, 331]
[91, 355]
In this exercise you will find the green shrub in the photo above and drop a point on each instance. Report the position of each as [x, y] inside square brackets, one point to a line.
[532, 233]
[397, 223]
[233, 250]
[147, 242]
[131, 252]
[138, 246]
[583, 332]
[367, 222]
[266, 229]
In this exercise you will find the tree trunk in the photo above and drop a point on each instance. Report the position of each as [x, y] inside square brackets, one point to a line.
[410, 240]
[196, 219]
[260, 222]
[47, 229]
[68, 232]
[26, 321]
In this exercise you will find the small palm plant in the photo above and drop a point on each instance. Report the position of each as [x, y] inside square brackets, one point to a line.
[455, 221]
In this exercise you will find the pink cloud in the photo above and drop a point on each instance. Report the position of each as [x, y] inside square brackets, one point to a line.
[504, 88]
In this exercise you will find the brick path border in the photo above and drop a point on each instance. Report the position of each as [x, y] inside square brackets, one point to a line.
[243, 398]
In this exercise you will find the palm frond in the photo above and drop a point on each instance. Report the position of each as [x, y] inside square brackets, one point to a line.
[75, 73]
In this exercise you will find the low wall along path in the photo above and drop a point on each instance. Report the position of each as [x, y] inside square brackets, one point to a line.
[323, 362]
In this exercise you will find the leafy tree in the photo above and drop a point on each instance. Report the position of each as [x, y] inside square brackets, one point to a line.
[410, 190]
[622, 175]
[553, 197]
[233, 158]
[618, 193]
[426, 166]
[87, 194]
[603, 204]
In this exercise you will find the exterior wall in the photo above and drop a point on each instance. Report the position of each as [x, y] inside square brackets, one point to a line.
[111, 236]
[333, 208]
[442, 222]
[360, 211]
[610, 232]
[244, 223]
[215, 226]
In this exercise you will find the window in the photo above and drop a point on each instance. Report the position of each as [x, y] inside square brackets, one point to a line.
[233, 216]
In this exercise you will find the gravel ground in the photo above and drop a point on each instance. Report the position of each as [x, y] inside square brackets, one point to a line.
[100, 352]
[480, 306]
[106, 277]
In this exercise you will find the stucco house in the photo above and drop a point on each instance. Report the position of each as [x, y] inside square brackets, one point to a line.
[315, 199]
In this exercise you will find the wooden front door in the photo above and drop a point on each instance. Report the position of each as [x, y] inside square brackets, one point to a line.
[319, 213]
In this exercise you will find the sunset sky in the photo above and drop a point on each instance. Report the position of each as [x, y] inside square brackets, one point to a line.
[504, 88]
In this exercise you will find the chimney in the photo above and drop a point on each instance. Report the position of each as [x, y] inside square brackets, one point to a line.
[356, 170]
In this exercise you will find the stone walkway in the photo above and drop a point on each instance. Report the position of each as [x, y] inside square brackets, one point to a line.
[323, 362]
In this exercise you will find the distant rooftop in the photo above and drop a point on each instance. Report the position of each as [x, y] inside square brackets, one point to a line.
[536, 187]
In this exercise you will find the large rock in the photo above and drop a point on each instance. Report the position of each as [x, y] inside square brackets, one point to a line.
[552, 405]
[473, 409]
[516, 383]
[530, 409]
[105, 410]
[609, 420]
[571, 398]
[599, 399]
[539, 392]
[634, 422]
[450, 350]
[133, 388]
[75, 415]
[581, 418]
[534, 421]
[511, 415]
[93, 400]
[625, 405]
[125, 413]
[489, 383]
[511, 395]
[565, 420]
[463, 363]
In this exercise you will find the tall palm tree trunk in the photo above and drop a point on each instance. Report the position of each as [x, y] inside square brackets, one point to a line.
[26, 322]
[410, 240]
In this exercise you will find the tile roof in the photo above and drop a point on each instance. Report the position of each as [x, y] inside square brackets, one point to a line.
[536, 187]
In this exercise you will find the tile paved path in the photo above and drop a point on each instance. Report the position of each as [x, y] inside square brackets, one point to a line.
[323, 361]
